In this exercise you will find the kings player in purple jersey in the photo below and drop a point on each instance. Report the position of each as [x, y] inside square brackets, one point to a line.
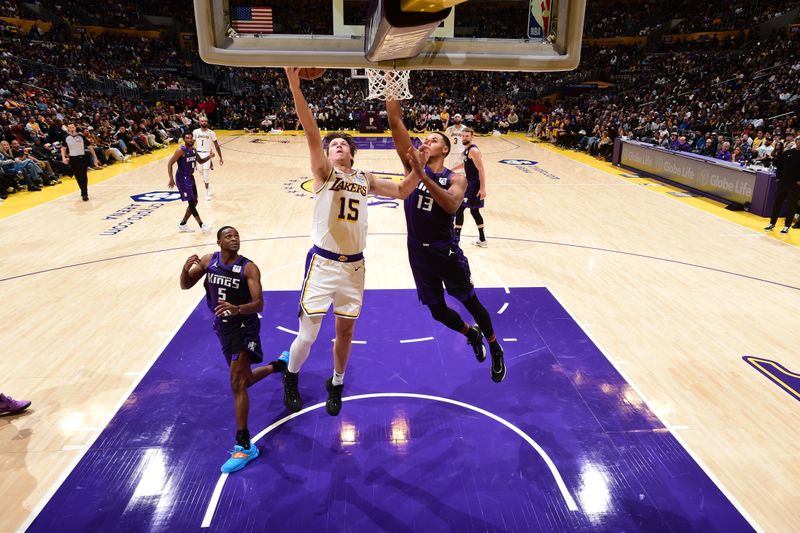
[437, 262]
[472, 163]
[186, 157]
[233, 293]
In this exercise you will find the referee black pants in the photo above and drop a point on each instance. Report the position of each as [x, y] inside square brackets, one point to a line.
[79, 164]
[786, 188]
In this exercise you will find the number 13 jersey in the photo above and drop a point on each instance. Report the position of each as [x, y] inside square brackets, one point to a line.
[426, 221]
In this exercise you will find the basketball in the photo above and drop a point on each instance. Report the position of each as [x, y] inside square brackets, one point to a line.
[311, 73]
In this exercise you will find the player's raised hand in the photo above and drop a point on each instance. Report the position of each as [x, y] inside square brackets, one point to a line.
[293, 74]
[418, 158]
[192, 261]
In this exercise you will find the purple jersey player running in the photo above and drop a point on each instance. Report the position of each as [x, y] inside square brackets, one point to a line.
[186, 157]
[233, 293]
[437, 261]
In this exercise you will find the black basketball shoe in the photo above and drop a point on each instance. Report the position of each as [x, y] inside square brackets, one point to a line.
[498, 364]
[475, 339]
[291, 395]
[334, 403]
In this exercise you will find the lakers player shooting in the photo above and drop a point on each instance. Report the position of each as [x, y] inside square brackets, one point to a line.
[233, 293]
[204, 138]
[472, 163]
[335, 264]
[436, 259]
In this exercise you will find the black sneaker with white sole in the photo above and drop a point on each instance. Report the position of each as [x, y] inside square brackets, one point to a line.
[475, 339]
[769, 227]
[291, 393]
[785, 230]
[498, 364]
[334, 403]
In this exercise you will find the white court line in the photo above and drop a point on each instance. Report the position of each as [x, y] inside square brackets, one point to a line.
[510, 339]
[495, 276]
[502, 309]
[421, 339]
[354, 342]
[670, 428]
[287, 330]
[135, 383]
[568, 499]
[211, 509]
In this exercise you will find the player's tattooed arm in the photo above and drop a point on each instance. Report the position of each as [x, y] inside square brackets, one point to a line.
[193, 269]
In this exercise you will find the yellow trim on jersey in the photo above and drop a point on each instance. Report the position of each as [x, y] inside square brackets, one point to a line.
[305, 286]
[324, 183]
[345, 315]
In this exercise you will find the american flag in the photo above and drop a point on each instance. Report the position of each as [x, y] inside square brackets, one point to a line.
[251, 19]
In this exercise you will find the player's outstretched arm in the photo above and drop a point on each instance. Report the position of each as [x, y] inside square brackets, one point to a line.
[193, 269]
[416, 159]
[319, 163]
[402, 141]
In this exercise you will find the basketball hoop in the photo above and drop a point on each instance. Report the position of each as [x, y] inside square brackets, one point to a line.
[388, 84]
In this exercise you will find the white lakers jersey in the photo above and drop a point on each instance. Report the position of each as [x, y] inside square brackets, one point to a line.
[455, 133]
[340, 213]
[204, 140]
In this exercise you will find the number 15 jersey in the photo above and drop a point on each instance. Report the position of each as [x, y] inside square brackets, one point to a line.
[339, 223]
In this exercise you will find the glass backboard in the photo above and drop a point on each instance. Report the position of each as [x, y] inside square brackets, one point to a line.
[505, 35]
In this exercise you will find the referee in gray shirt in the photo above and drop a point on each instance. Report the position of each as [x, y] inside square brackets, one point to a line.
[73, 153]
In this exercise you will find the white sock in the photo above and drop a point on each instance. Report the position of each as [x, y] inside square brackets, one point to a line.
[338, 379]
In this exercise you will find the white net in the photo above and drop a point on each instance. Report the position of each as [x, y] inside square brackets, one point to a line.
[388, 84]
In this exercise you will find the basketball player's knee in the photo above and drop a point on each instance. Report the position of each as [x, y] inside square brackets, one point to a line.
[309, 329]
[239, 382]
[345, 333]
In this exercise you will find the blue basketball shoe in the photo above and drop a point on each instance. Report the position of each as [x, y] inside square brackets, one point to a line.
[239, 458]
[285, 358]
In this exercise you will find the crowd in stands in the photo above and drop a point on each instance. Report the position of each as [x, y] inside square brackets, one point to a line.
[716, 16]
[8, 8]
[108, 13]
[682, 101]
[613, 18]
[33, 126]
[138, 61]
